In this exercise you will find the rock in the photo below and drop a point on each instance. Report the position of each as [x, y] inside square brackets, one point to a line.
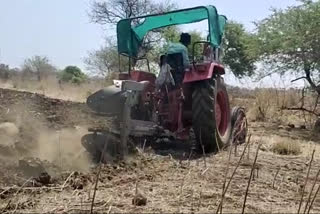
[263, 148]
[303, 127]
[9, 129]
[291, 125]
[44, 178]
[77, 184]
[139, 200]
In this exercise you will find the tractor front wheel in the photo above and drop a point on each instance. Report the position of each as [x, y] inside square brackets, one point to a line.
[211, 118]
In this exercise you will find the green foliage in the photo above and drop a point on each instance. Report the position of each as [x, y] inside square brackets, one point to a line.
[240, 50]
[72, 74]
[289, 41]
[240, 47]
[4, 71]
[198, 48]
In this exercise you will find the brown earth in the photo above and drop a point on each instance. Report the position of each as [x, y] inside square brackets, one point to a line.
[42, 135]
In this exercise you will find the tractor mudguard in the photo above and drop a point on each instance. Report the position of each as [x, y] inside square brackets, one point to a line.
[203, 71]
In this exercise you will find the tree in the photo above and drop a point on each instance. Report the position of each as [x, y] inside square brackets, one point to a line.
[4, 71]
[105, 60]
[240, 49]
[72, 74]
[111, 11]
[289, 42]
[198, 49]
[39, 65]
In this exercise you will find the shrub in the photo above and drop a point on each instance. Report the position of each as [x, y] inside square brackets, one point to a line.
[72, 74]
[286, 148]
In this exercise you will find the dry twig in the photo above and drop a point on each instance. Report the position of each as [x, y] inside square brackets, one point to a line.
[65, 182]
[314, 198]
[232, 175]
[249, 182]
[225, 177]
[309, 197]
[306, 181]
[275, 176]
[98, 174]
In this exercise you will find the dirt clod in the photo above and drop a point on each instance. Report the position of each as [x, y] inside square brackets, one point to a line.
[139, 200]
[77, 184]
[44, 178]
[290, 125]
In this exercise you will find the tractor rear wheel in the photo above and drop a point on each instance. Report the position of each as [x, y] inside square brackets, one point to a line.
[211, 118]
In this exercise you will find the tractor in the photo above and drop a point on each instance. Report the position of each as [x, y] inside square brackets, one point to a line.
[196, 106]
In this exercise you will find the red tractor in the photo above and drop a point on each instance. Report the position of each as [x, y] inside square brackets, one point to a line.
[197, 103]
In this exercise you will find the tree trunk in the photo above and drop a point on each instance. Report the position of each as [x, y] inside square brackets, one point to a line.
[39, 76]
[316, 127]
[310, 81]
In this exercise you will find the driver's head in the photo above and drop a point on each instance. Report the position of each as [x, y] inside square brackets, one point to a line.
[185, 39]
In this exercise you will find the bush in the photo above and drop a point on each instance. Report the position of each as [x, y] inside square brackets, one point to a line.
[286, 148]
[72, 74]
[4, 71]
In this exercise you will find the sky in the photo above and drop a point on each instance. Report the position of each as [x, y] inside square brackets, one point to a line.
[62, 31]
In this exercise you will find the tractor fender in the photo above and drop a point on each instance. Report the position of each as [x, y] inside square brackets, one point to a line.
[203, 71]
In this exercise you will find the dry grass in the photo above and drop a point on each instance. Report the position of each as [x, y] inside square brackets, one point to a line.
[286, 148]
[268, 104]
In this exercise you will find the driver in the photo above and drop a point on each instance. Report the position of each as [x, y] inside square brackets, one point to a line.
[165, 76]
[181, 47]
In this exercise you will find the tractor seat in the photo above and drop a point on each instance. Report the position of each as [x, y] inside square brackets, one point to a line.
[176, 63]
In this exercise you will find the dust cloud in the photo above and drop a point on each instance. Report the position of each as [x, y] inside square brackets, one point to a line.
[26, 135]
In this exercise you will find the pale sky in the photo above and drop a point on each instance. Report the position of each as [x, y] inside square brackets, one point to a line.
[61, 29]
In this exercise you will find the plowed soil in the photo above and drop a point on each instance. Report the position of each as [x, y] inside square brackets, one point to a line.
[45, 169]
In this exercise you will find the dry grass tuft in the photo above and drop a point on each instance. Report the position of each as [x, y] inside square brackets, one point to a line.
[286, 148]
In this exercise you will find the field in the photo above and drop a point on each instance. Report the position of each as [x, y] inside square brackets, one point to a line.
[41, 132]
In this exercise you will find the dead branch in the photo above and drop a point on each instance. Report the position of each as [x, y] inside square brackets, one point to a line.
[298, 79]
[300, 109]
[314, 198]
[275, 176]
[250, 178]
[65, 182]
[309, 197]
[98, 174]
[306, 181]
[232, 175]
[225, 177]
[316, 103]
